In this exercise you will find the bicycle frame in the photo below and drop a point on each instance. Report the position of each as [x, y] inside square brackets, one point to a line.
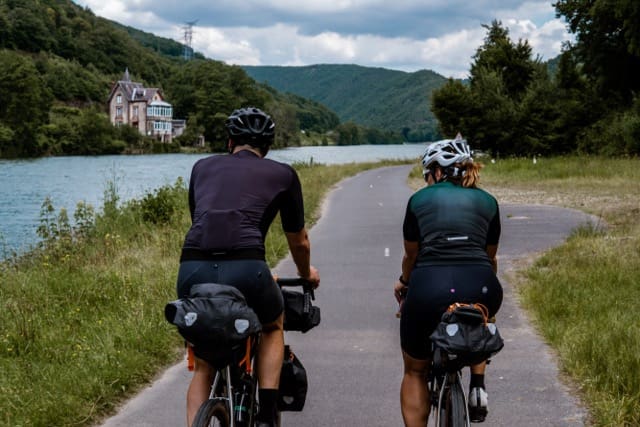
[237, 386]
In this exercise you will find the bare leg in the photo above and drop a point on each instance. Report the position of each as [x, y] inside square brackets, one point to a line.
[199, 388]
[479, 368]
[414, 395]
[270, 354]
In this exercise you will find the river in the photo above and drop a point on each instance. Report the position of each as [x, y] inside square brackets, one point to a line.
[69, 180]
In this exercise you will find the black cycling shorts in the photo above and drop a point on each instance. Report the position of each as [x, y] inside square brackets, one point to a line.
[251, 277]
[432, 289]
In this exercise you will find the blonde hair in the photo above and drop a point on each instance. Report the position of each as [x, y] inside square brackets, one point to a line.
[469, 175]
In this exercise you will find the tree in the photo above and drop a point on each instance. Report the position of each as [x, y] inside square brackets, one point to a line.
[607, 44]
[451, 105]
[25, 101]
[512, 62]
[493, 111]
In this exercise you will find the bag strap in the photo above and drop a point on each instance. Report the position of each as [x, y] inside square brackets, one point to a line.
[477, 306]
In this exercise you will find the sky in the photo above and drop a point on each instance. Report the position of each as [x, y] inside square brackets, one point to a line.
[406, 35]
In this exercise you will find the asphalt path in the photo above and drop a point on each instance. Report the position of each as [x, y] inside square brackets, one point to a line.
[353, 358]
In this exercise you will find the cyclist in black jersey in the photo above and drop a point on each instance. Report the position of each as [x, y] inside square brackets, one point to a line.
[233, 200]
[451, 231]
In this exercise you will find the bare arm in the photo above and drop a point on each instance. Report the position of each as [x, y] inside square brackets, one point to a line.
[300, 248]
[409, 259]
[492, 251]
[411, 250]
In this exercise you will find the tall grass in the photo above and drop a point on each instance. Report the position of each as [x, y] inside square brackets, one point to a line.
[81, 317]
[582, 295]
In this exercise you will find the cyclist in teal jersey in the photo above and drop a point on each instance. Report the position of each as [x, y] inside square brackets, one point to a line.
[451, 231]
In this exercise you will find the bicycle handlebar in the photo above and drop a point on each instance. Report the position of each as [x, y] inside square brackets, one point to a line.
[306, 285]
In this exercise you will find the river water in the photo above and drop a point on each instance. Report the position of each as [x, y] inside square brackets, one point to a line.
[25, 184]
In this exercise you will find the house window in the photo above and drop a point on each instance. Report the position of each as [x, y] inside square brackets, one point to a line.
[118, 99]
[135, 111]
[162, 126]
[118, 111]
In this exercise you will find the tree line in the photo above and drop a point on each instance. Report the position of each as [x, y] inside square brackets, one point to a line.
[513, 105]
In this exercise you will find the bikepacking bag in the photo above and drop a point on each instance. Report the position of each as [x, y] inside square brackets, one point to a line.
[293, 383]
[213, 319]
[299, 314]
[465, 333]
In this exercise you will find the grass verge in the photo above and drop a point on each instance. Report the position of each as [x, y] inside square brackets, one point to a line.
[81, 316]
[581, 294]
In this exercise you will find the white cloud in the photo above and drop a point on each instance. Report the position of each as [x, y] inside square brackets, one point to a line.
[441, 35]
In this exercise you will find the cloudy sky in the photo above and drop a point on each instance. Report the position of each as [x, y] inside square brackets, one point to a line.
[407, 35]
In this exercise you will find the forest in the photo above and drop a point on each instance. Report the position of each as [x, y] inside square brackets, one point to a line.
[512, 105]
[58, 62]
[391, 100]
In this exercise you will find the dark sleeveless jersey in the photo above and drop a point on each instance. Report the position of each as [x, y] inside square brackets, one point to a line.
[452, 224]
[233, 200]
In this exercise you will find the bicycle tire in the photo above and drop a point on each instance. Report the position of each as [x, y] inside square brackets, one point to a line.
[453, 406]
[212, 413]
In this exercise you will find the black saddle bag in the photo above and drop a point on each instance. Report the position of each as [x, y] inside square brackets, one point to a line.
[293, 383]
[299, 313]
[466, 335]
[214, 319]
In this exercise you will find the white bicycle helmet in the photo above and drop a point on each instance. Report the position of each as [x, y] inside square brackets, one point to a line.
[446, 153]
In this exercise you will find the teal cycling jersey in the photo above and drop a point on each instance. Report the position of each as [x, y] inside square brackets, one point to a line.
[452, 224]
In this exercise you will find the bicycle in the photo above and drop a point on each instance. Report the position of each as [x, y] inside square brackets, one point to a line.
[465, 337]
[448, 399]
[444, 380]
[233, 398]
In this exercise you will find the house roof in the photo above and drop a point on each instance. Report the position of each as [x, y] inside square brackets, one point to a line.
[133, 91]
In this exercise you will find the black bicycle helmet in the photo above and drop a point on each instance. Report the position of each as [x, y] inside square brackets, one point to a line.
[251, 126]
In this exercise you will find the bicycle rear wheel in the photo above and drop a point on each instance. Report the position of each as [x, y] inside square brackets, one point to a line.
[212, 413]
[452, 410]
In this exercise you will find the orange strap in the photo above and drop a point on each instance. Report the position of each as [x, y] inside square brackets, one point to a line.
[481, 307]
[246, 360]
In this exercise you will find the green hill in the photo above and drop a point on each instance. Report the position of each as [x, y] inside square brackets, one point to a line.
[374, 97]
[58, 62]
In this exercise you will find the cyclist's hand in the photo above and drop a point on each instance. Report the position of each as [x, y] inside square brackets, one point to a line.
[314, 277]
[400, 291]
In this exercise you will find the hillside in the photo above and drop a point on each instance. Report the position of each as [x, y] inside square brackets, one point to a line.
[375, 97]
[58, 62]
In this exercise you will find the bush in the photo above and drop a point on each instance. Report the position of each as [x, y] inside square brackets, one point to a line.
[617, 134]
[161, 206]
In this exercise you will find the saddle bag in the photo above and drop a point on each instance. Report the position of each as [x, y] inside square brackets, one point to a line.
[293, 383]
[213, 319]
[299, 314]
[466, 335]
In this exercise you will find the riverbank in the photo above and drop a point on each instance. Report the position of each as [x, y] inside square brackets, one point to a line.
[66, 181]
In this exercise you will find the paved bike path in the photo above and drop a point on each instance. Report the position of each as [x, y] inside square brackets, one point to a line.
[353, 358]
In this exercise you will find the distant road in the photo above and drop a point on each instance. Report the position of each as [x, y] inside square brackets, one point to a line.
[353, 358]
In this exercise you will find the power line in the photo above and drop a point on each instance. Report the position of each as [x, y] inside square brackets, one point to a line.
[187, 51]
